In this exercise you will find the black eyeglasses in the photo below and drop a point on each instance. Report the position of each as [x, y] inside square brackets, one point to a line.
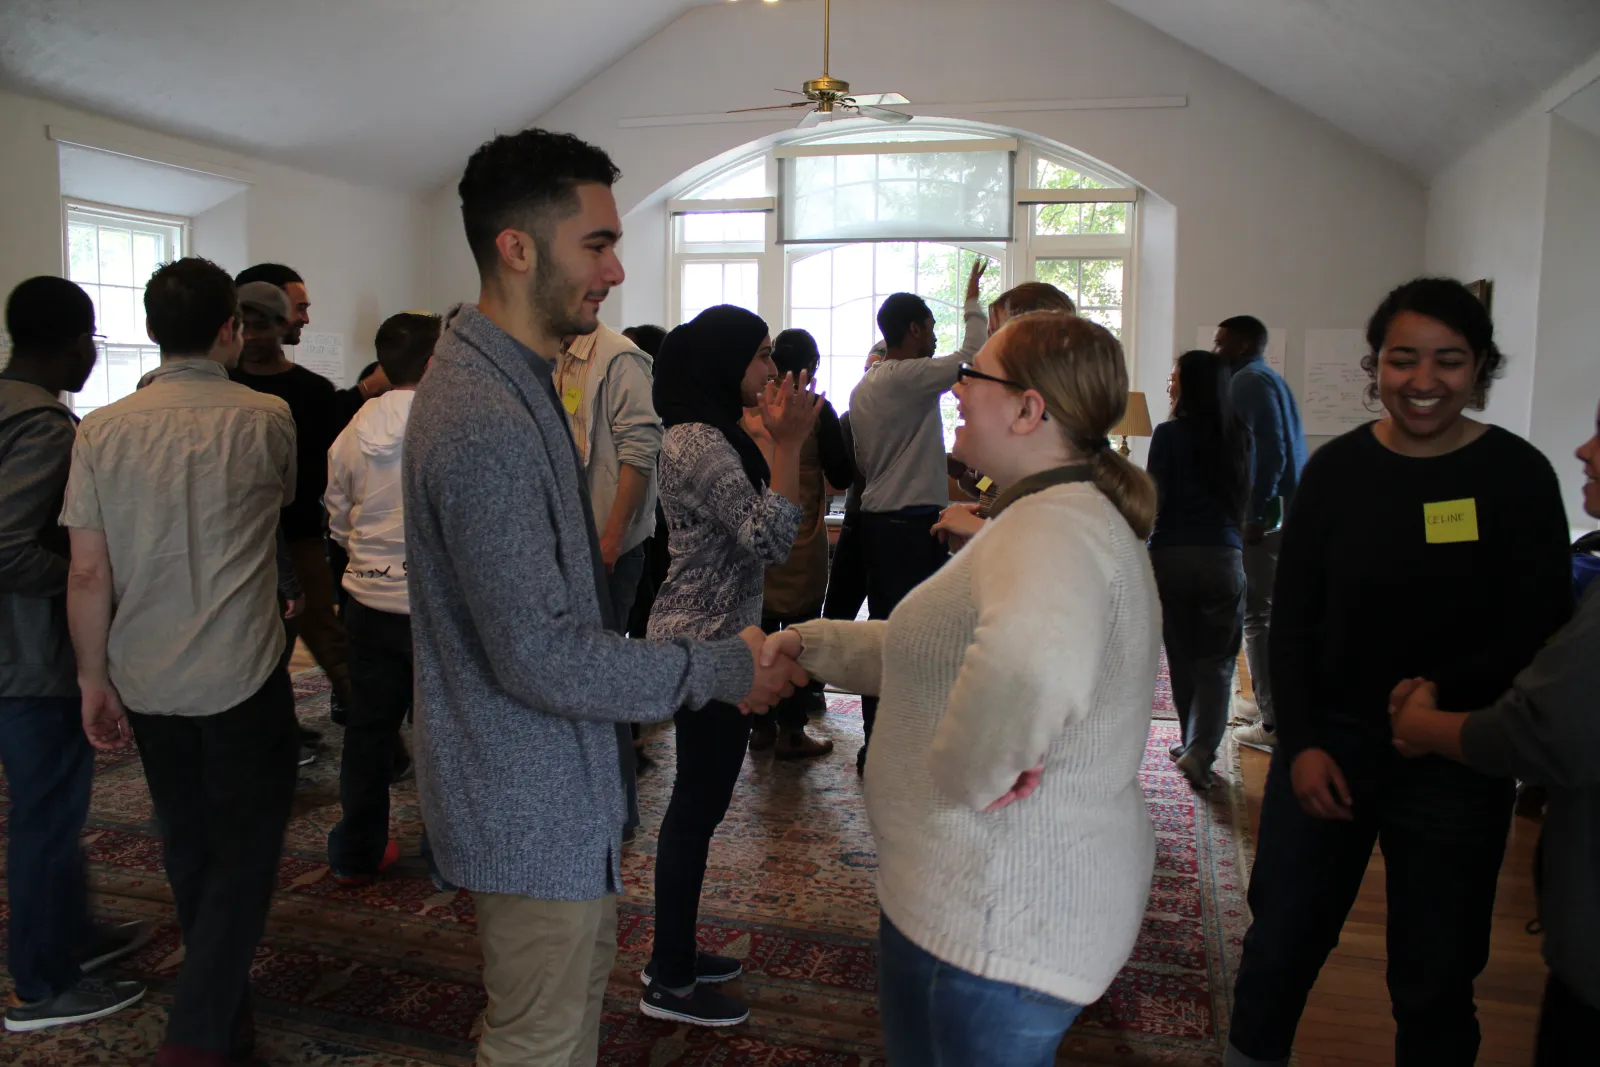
[967, 370]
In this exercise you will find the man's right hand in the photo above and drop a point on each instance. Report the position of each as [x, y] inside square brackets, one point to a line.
[775, 677]
[979, 265]
[1254, 533]
[1320, 787]
[104, 721]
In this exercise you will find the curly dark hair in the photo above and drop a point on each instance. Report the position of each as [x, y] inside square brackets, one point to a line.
[517, 179]
[1448, 301]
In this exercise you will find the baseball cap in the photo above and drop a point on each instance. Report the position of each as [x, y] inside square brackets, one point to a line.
[266, 297]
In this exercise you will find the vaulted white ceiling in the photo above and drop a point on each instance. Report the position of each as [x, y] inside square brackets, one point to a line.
[1421, 81]
[397, 92]
[388, 92]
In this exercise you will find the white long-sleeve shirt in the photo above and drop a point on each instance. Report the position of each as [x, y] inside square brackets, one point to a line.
[894, 419]
[366, 515]
[1036, 645]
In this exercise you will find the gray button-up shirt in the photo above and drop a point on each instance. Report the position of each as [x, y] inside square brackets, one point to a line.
[186, 476]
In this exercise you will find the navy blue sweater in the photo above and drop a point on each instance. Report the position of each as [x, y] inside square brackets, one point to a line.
[1190, 511]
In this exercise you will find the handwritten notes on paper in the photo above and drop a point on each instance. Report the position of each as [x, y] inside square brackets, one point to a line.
[1277, 345]
[323, 353]
[1333, 398]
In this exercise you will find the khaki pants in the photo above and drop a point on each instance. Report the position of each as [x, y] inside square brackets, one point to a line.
[320, 628]
[545, 965]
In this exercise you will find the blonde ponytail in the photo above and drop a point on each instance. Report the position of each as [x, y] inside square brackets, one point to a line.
[1078, 367]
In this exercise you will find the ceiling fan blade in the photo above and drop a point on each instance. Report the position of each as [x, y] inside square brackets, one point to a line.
[791, 92]
[878, 99]
[883, 114]
[774, 107]
[817, 118]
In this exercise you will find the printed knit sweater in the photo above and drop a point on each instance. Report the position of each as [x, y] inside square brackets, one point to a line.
[1036, 645]
[723, 532]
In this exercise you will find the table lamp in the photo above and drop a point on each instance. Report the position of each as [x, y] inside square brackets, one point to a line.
[1135, 422]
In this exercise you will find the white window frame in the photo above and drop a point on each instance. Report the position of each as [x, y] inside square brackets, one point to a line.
[133, 218]
[1018, 256]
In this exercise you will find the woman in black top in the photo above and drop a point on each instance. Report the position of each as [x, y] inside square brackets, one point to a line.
[1200, 460]
[1425, 514]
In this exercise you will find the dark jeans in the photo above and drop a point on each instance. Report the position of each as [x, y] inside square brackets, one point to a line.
[1443, 831]
[791, 712]
[900, 553]
[934, 1013]
[711, 747]
[321, 628]
[624, 587]
[1202, 624]
[1567, 1027]
[380, 693]
[49, 765]
[1261, 570]
[221, 785]
[847, 577]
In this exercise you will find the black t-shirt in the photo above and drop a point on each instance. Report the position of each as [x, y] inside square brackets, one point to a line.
[318, 418]
[1453, 568]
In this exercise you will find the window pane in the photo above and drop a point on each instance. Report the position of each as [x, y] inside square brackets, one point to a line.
[836, 295]
[123, 370]
[1054, 220]
[116, 256]
[724, 227]
[889, 196]
[148, 253]
[1049, 175]
[709, 283]
[83, 253]
[120, 319]
[1095, 286]
[749, 180]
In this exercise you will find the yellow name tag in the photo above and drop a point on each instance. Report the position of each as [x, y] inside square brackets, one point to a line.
[571, 399]
[984, 483]
[1449, 521]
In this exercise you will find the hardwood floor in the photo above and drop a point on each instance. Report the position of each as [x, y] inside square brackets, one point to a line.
[1347, 1021]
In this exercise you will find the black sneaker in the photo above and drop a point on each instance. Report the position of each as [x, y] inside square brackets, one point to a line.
[111, 943]
[703, 1006]
[309, 736]
[308, 756]
[708, 968]
[91, 998]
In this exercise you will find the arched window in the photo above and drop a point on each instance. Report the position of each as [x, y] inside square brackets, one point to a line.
[815, 232]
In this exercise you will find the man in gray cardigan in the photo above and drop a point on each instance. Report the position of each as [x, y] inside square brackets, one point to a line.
[519, 683]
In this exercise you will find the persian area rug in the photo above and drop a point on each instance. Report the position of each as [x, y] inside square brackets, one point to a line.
[388, 975]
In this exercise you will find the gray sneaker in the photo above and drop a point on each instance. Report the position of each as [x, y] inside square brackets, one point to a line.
[1256, 735]
[91, 998]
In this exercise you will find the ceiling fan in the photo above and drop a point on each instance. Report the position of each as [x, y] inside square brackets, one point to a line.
[830, 98]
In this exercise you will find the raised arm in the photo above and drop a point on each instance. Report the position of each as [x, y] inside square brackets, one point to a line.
[763, 522]
[1036, 651]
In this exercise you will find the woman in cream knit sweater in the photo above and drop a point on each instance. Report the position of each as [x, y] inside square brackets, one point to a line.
[1014, 848]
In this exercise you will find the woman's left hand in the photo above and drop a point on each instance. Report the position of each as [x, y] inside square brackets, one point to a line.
[957, 524]
[1027, 782]
[789, 408]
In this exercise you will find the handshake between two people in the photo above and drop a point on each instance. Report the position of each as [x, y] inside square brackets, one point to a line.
[777, 672]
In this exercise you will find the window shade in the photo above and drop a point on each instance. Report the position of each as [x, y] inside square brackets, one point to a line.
[959, 191]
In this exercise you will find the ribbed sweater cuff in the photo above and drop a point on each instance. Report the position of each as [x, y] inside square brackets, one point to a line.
[726, 669]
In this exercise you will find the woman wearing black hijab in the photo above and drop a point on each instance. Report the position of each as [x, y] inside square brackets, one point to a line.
[730, 515]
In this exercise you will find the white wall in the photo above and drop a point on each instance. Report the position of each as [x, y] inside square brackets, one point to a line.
[360, 249]
[1566, 384]
[1278, 214]
[1486, 219]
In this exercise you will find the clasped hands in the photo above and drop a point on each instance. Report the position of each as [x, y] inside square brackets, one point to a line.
[777, 674]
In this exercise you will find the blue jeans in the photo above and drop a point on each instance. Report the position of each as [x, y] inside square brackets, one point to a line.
[936, 1015]
[49, 764]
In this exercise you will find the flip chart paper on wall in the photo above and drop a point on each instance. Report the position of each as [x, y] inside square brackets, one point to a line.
[323, 353]
[1333, 400]
[1277, 344]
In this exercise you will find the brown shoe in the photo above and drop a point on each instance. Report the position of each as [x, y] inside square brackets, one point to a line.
[800, 745]
[763, 735]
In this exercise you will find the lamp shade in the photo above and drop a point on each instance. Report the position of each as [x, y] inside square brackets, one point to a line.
[1135, 422]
